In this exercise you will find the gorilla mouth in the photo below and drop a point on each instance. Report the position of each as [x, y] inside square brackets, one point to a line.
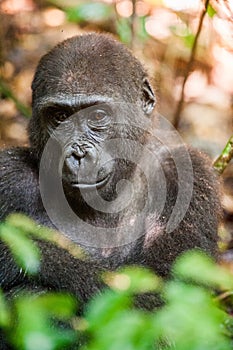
[91, 185]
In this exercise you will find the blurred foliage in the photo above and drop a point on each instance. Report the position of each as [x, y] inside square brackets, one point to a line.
[89, 11]
[211, 11]
[7, 92]
[225, 157]
[192, 316]
[24, 251]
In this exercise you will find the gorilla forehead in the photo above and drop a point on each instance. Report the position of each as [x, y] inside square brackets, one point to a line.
[74, 64]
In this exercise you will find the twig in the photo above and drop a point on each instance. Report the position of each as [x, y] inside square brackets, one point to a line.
[133, 24]
[6, 91]
[223, 160]
[224, 295]
[189, 66]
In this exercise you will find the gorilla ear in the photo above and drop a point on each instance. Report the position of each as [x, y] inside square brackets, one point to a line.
[148, 97]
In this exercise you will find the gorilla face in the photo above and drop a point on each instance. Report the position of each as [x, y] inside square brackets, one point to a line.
[93, 134]
[82, 135]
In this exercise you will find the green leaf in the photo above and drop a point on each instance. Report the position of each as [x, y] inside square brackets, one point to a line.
[104, 307]
[23, 249]
[198, 267]
[133, 280]
[211, 11]
[191, 319]
[59, 305]
[4, 312]
[89, 12]
[22, 222]
[189, 40]
[124, 30]
[34, 329]
[131, 330]
[142, 32]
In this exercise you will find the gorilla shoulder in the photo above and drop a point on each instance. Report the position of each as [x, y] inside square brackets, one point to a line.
[19, 190]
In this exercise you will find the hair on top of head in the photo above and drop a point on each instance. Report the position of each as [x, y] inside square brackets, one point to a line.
[75, 63]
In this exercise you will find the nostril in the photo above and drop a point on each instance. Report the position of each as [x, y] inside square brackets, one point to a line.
[78, 151]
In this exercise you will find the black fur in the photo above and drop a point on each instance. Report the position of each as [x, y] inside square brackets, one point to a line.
[98, 65]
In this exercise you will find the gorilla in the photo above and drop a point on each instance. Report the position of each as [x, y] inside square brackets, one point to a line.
[105, 171]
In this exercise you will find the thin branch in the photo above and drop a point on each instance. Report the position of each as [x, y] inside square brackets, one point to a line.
[225, 157]
[224, 295]
[189, 66]
[133, 24]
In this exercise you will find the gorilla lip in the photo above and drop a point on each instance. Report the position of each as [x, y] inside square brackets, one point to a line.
[92, 186]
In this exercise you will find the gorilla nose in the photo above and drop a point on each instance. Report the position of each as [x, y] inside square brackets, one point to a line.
[78, 151]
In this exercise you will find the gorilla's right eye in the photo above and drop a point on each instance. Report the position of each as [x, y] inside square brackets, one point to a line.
[58, 115]
[61, 117]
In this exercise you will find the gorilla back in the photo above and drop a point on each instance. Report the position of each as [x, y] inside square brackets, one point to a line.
[97, 170]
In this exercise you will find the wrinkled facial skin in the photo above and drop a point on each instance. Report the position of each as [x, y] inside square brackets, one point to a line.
[85, 135]
[82, 136]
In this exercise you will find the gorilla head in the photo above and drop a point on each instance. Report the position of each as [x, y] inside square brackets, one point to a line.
[88, 92]
[81, 72]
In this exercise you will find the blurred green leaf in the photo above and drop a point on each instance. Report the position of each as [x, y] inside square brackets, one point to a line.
[198, 267]
[114, 324]
[22, 222]
[124, 30]
[133, 279]
[104, 307]
[7, 92]
[89, 12]
[23, 249]
[211, 11]
[130, 330]
[142, 32]
[58, 305]
[182, 31]
[191, 319]
[30, 228]
[34, 329]
[4, 311]
[189, 40]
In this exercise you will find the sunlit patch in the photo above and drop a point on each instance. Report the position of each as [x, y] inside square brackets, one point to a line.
[124, 8]
[14, 6]
[225, 30]
[182, 5]
[159, 24]
[223, 65]
[118, 281]
[142, 8]
[54, 17]
[196, 85]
